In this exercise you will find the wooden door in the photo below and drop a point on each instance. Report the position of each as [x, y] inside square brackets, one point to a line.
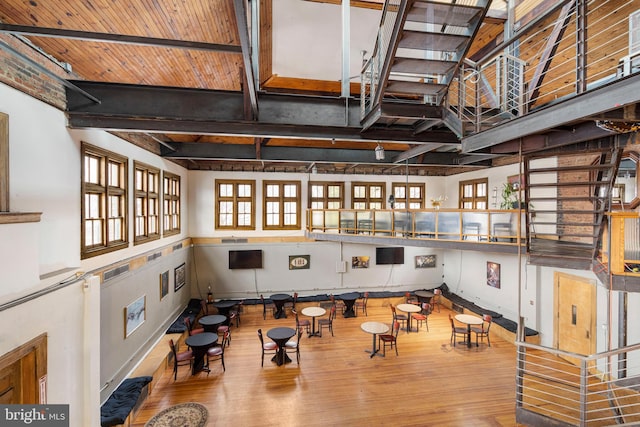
[21, 371]
[10, 384]
[575, 308]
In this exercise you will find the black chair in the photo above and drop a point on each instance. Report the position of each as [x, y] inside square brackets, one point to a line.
[180, 358]
[216, 353]
[457, 330]
[190, 328]
[295, 345]
[389, 339]
[234, 313]
[267, 305]
[483, 331]
[291, 305]
[327, 321]
[267, 348]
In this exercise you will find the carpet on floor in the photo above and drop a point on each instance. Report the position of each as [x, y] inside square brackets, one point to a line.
[189, 414]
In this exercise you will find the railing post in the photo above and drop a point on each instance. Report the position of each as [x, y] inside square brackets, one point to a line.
[583, 392]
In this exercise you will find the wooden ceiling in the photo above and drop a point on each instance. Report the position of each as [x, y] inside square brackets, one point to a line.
[194, 44]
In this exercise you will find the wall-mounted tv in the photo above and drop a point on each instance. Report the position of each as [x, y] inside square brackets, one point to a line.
[394, 255]
[245, 259]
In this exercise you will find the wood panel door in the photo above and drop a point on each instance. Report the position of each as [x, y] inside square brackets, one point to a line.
[21, 371]
[575, 308]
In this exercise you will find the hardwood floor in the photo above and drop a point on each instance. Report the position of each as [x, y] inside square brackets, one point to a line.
[430, 382]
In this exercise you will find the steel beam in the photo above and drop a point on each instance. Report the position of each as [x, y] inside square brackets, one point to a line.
[575, 110]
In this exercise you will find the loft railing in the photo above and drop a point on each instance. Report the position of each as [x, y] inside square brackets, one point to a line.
[499, 226]
[596, 390]
[550, 59]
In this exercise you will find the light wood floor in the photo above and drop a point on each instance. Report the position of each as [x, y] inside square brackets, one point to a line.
[430, 382]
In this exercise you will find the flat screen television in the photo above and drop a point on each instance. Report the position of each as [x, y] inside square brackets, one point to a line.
[393, 255]
[245, 259]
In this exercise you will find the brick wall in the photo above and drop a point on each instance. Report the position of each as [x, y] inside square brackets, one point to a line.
[25, 77]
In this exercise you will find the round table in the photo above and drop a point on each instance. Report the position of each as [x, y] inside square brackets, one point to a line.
[211, 322]
[314, 312]
[278, 301]
[280, 336]
[224, 307]
[374, 328]
[349, 299]
[409, 308]
[469, 320]
[199, 344]
[424, 296]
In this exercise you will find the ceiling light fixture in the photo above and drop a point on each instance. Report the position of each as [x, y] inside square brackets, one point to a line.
[379, 152]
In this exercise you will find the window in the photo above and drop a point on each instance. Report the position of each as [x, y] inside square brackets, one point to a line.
[326, 195]
[368, 195]
[104, 201]
[416, 195]
[146, 182]
[171, 190]
[281, 205]
[473, 194]
[235, 201]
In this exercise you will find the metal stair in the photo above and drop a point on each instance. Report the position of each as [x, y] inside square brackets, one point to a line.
[568, 194]
[420, 46]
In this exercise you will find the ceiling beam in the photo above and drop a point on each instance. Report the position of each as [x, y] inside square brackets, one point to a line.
[598, 101]
[197, 111]
[116, 38]
[243, 32]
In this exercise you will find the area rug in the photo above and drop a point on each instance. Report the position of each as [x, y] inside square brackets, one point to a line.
[189, 414]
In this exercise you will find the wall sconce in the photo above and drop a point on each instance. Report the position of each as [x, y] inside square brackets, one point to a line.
[494, 196]
[392, 200]
[379, 152]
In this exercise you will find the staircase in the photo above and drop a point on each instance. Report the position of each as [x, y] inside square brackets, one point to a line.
[568, 194]
[420, 46]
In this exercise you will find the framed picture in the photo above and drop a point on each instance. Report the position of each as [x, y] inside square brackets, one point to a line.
[360, 262]
[179, 277]
[134, 315]
[299, 262]
[164, 284]
[426, 261]
[493, 274]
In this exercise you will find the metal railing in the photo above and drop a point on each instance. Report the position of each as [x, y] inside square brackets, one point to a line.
[496, 226]
[597, 390]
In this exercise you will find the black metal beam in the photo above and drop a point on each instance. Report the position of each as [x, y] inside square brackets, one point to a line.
[116, 38]
[598, 101]
[196, 111]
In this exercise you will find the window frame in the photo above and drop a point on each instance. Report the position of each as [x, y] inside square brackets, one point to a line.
[151, 202]
[282, 201]
[171, 199]
[235, 199]
[325, 199]
[474, 199]
[418, 201]
[106, 193]
[368, 200]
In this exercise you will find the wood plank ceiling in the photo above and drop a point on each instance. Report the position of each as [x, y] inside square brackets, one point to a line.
[193, 44]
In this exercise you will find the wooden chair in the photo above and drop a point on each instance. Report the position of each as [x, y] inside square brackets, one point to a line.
[327, 321]
[410, 299]
[204, 307]
[180, 358]
[225, 331]
[291, 305]
[304, 323]
[361, 304]
[295, 345]
[267, 348]
[483, 330]
[436, 299]
[190, 328]
[390, 339]
[339, 305]
[216, 352]
[267, 305]
[234, 313]
[423, 316]
[402, 318]
[457, 330]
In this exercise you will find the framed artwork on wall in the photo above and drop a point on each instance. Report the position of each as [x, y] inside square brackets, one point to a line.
[134, 315]
[360, 262]
[299, 262]
[426, 261]
[493, 274]
[179, 277]
[164, 284]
